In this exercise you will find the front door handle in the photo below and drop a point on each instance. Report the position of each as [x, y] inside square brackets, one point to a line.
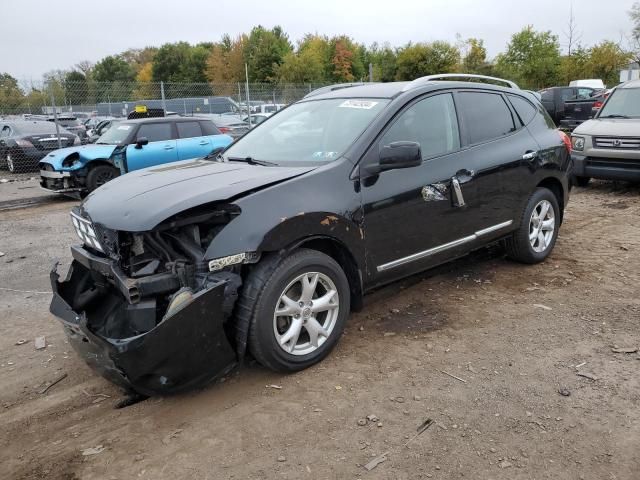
[204, 142]
[168, 147]
[465, 175]
[530, 155]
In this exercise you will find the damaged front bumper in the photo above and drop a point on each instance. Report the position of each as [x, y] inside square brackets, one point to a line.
[117, 335]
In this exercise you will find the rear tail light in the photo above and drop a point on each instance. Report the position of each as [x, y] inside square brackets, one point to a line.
[566, 140]
[224, 129]
[598, 104]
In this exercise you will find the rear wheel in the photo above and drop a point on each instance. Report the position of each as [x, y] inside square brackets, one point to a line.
[297, 308]
[99, 175]
[536, 237]
[582, 181]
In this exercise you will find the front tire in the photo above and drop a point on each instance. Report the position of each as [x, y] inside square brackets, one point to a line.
[297, 309]
[539, 224]
[99, 175]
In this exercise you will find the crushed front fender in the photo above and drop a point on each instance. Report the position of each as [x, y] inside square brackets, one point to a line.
[186, 349]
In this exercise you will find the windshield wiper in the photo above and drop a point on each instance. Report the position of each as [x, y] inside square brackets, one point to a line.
[251, 161]
[614, 115]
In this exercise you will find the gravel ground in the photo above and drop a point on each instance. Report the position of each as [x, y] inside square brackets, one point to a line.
[513, 335]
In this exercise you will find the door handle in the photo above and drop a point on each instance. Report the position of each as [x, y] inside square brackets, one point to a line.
[203, 142]
[168, 147]
[464, 175]
[458, 198]
[530, 155]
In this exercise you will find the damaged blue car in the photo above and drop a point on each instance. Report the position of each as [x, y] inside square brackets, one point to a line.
[127, 146]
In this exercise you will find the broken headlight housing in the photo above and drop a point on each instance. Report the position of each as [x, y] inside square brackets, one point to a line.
[223, 262]
[86, 232]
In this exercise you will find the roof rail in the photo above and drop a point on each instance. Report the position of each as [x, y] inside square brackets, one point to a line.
[331, 88]
[448, 76]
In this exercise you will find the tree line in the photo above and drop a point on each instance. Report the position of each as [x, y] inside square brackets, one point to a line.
[534, 59]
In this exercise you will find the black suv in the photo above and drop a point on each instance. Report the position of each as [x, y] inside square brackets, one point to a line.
[273, 242]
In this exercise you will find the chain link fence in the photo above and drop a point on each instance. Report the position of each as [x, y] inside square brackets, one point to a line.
[39, 117]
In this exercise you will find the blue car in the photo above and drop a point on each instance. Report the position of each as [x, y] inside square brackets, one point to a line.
[127, 146]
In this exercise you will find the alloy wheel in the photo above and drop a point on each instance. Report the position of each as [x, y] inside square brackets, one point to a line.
[306, 313]
[542, 226]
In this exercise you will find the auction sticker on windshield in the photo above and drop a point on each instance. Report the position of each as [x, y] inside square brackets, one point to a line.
[365, 104]
[124, 127]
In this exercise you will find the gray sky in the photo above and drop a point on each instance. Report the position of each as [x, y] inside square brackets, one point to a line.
[40, 35]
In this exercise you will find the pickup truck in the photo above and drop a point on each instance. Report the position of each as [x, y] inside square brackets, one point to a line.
[571, 106]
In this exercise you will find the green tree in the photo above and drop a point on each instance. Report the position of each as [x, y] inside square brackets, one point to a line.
[475, 57]
[384, 62]
[575, 66]
[76, 87]
[532, 59]
[113, 69]
[606, 59]
[420, 59]
[139, 57]
[11, 96]
[180, 63]
[265, 51]
[225, 63]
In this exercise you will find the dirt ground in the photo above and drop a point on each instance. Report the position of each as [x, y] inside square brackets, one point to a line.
[514, 336]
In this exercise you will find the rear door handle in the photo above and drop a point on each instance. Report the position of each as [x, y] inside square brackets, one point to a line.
[530, 155]
[204, 142]
[458, 198]
[168, 147]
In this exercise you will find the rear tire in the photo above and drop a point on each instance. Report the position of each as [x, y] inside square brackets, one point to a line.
[539, 224]
[582, 181]
[311, 320]
[99, 175]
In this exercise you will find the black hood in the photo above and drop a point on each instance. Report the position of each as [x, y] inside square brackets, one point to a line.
[140, 200]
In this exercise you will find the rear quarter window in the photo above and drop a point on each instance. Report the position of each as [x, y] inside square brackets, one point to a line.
[208, 128]
[525, 110]
[486, 116]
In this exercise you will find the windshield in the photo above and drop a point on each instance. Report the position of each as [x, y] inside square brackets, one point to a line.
[116, 134]
[309, 132]
[623, 103]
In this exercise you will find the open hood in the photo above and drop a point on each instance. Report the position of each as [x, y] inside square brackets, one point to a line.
[86, 153]
[140, 200]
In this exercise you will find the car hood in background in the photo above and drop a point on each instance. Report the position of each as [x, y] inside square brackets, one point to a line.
[610, 127]
[86, 152]
[140, 200]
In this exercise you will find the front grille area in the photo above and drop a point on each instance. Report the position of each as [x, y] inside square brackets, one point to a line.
[630, 164]
[618, 143]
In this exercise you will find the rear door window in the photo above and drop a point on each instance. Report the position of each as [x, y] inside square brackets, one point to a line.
[155, 132]
[189, 129]
[525, 110]
[208, 128]
[486, 116]
[567, 94]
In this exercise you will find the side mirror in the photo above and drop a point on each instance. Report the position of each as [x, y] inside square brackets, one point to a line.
[142, 141]
[397, 155]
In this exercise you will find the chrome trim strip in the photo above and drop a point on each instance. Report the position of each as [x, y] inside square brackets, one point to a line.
[49, 174]
[442, 248]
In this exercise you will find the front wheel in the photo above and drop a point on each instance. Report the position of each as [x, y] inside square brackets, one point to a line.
[12, 165]
[297, 306]
[99, 175]
[539, 224]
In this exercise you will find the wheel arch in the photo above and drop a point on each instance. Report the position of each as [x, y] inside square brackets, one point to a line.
[556, 187]
[337, 250]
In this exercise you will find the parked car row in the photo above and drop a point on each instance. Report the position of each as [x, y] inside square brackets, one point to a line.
[126, 146]
[269, 244]
[23, 143]
[608, 147]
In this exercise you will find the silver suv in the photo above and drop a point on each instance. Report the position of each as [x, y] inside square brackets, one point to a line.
[608, 146]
